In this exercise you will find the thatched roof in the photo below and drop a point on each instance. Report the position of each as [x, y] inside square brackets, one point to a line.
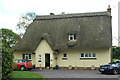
[93, 31]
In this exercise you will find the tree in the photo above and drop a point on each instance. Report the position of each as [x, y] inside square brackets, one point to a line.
[115, 52]
[9, 39]
[24, 22]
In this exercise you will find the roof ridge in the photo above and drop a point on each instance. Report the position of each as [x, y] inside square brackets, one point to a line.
[60, 16]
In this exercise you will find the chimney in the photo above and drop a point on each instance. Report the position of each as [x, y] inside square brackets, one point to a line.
[63, 13]
[52, 14]
[109, 9]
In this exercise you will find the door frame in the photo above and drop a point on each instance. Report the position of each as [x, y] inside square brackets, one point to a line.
[45, 59]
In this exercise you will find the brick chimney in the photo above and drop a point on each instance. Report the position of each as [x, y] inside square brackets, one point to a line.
[109, 9]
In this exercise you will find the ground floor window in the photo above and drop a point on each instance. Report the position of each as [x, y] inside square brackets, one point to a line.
[64, 57]
[88, 55]
[39, 58]
[26, 56]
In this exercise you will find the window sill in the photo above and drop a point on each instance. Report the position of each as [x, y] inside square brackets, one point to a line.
[64, 58]
[30, 59]
[88, 58]
[72, 40]
[39, 61]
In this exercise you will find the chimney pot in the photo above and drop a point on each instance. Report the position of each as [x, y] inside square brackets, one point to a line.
[108, 6]
[52, 14]
[63, 13]
[109, 9]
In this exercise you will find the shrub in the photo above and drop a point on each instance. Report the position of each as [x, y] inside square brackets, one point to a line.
[7, 60]
[9, 39]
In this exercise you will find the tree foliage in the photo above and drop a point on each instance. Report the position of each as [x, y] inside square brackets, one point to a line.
[24, 22]
[9, 39]
[116, 52]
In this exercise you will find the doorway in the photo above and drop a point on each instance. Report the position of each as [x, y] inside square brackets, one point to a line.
[47, 60]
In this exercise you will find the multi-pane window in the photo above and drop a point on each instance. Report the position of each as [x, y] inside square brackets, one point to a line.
[72, 37]
[23, 56]
[64, 55]
[82, 54]
[29, 56]
[40, 58]
[26, 56]
[88, 55]
[94, 55]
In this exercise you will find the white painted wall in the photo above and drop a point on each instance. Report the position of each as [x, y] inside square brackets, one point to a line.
[18, 55]
[43, 49]
[103, 56]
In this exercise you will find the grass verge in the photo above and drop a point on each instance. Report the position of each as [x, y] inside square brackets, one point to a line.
[26, 74]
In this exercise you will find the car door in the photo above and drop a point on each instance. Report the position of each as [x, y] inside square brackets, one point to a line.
[28, 63]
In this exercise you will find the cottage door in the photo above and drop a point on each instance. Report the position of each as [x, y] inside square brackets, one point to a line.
[47, 60]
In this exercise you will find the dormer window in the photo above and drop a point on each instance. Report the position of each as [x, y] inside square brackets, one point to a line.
[71, 36]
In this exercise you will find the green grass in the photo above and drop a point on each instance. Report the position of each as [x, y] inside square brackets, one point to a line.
[25, 74]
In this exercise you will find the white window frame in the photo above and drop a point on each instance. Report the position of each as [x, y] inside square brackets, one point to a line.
[40, 58]
[63, 55]
[88, 55]
[95, 54]
[71, 35]
[27, 55]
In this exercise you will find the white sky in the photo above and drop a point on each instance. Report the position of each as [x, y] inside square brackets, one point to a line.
[10, 10]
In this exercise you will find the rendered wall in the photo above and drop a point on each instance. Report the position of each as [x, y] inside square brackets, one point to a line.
[43, 49]
[18, 55]
[103, 56]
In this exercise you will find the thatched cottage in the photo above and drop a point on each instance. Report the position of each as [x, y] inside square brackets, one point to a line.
[79, 40]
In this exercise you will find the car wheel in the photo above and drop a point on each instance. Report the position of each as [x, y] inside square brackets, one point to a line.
[103, 72]
[22, 68]
[115, 71]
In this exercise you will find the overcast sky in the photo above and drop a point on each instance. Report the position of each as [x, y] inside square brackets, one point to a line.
[10, 10]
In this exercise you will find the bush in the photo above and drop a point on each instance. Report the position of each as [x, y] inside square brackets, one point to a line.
[7, 61]
[9, 39]
[116, 52]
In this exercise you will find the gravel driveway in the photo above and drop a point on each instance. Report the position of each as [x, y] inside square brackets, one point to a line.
[73, 74]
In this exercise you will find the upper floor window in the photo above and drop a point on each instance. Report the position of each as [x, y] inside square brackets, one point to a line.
[71, 36]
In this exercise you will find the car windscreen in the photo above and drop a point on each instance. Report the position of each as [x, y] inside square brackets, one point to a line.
[15, 61]
[20, 61]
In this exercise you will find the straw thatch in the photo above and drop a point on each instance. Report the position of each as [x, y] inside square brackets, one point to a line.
[93, 31]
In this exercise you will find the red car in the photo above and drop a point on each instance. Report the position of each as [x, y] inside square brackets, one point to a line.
[21, 64]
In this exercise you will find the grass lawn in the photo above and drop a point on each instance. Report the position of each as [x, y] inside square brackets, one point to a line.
[25, 74]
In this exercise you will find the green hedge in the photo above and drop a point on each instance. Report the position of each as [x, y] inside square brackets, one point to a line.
[116, 52]
[9, 39]
[7, 61]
